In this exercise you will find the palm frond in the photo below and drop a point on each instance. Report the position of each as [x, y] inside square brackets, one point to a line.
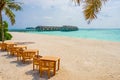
[77, 1]
[91, 9]
[10, 14]
[14, 6]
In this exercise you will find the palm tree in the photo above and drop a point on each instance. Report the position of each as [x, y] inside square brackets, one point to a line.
[91, 8]
[8, 6]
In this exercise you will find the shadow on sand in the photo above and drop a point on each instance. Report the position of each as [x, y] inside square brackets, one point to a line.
[36, 75]
[18, 62]
[24, 43]
[21, 64]
[8, 56]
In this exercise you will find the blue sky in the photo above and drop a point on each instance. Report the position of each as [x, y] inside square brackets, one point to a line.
[64, 12]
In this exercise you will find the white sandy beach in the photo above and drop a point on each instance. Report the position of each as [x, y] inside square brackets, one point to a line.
[81, 59]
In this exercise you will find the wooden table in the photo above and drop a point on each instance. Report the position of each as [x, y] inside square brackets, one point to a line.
[32, 50]
[53, 59]
[20, 47]
[8, 44]
[29, 53]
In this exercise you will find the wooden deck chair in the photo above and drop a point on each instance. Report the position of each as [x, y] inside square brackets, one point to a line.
[19, 53]
[3, 46]
[36, 59]
[27, 55]
[45, 65]
[9, 49]
[13, 50]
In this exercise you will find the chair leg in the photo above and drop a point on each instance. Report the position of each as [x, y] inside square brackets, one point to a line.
[8, 52]
[20, 57]
[48, 73]
[37, 66]
[40, 73]
[17, 58]
[23, 60]
[33, 66]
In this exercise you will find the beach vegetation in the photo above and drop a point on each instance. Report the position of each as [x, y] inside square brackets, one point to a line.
[7, 36]
[8, 6]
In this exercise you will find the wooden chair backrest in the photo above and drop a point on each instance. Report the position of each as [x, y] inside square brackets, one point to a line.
[28, 54]
[46, 64]
[3, 46]
[9, 47]
[36, 58]
[20, 51]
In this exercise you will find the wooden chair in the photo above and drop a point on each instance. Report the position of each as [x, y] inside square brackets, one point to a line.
[9, 49]
[45, 65]
[36, 59]
[3, 46]
[0, 45]
[12, 50]
[19, 53]
[27, 55]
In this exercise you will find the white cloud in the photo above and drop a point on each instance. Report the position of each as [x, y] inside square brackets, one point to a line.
[60, 12]
[45, 3]
[111, 5]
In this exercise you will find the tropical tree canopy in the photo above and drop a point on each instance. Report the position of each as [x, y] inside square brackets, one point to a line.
[91, 8]
[8, 6]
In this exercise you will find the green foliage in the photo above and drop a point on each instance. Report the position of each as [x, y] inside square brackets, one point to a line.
[7, 36]
[8, 7]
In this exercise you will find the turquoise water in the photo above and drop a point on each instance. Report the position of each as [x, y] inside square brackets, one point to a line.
[97, 34]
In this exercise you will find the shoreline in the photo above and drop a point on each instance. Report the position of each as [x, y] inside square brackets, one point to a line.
[81, 59]
[100, 34]
[93, 39]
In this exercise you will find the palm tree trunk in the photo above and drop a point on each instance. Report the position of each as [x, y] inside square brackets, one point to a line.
[2, 27]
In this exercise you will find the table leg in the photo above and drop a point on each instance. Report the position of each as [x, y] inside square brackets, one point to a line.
[55, 68]
[58, 64]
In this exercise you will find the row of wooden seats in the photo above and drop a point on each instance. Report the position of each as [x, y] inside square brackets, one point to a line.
[22, 54]
[18, 50]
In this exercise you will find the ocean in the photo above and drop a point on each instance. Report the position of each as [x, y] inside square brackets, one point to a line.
[95, 34]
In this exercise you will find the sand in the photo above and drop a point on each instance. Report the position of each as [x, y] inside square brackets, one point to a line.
[81, 59]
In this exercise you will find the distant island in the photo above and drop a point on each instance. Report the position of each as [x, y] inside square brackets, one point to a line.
[53, 28]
